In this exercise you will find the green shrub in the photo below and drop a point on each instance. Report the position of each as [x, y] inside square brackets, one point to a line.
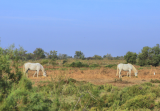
[156, 90]
[108, 87]
[111, 65]
[97, 57]
[78, 64]
[147, 84]
[70, 90]
[140, 68]
[140, 101]
[158, 104]
[94, 65]
[37, 102]
[136, 90]
[25, 83]
[130, 57]
[155, 81]
[64, 61]
[44, 61]
[53, 61]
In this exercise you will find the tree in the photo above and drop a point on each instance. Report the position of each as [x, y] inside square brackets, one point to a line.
[119, 58]
[156, 49]
[155, 56]
[62, 56]
[29, 56]
[79, 55]
[144, 58]
[53, 55]
[155, 60]
[97, 57]
[39, 53]
[108, 56]
[130, 57]
[22, 53]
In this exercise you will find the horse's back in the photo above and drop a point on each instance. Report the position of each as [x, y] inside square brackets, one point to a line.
[124, 66]
[32, 66]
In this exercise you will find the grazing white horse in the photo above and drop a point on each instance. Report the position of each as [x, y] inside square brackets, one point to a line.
[126, 67]
[35, 67]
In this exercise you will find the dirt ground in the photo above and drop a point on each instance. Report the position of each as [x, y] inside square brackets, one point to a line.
[99, 76]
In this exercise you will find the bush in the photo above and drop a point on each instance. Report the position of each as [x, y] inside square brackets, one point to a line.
[149, 56]
[64, 61]
[140, 101]
[130, 57]
[94, 65]
[97, 57]
[111, 65]
[77, 64]
[39, 53]
[53, 61]
[155, 81]
[44, 61]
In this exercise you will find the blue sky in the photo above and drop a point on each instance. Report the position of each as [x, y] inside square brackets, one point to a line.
[91, 26]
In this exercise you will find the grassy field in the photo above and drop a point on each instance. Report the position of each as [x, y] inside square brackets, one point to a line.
[90, 88]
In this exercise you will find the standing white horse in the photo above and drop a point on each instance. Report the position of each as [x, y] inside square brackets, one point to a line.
[126, 67]
[35, 67]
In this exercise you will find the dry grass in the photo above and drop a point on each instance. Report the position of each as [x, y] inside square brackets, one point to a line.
[98, 76]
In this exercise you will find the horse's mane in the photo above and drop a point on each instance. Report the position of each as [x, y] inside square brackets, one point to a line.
[134, 69]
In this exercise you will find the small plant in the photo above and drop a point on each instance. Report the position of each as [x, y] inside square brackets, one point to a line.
[44, 61]
[108, 87]
[155, 81]
[64, 61]
[111, 65]
[53, 61]
[140, 68]
[94, 65]
[140, 101]
[78, 64]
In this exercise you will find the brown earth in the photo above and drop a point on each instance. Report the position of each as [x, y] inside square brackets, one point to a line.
[99, 76]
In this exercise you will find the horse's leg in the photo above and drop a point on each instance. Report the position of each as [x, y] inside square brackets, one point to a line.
[127, 73]
[130, 73]
[119, 73]
[34, 73]
[26, 72]
[37, 72]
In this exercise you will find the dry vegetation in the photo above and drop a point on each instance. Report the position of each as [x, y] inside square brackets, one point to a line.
[100, 75]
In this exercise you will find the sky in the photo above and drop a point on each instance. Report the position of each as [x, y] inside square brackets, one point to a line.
[94, 27]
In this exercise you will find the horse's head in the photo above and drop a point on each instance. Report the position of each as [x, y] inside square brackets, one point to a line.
[136, 74]
[45, 74]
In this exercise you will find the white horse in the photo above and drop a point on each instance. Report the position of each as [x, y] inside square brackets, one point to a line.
[35, 67]
[126, 67]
